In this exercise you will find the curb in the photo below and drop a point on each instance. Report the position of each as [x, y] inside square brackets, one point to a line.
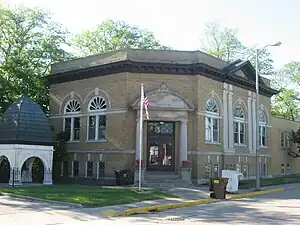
[155, 208]
[255, 193]
[42, 200]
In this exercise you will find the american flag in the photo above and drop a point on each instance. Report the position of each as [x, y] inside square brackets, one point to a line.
[146, 104]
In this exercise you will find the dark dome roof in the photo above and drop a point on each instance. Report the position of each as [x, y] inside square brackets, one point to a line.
[24, 122]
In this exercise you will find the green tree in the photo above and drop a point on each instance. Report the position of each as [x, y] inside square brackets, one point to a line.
[224, 44]
[292, 71]
[60, 153]
[29, 43]
[287, 81]
[285, 105]
[295, 138]
[113, 35]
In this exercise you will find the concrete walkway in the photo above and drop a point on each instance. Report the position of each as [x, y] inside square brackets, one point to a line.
[184, 194]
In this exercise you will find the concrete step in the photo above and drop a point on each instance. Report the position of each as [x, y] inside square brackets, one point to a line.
[167, 186]
[161, 175]
[164, 180]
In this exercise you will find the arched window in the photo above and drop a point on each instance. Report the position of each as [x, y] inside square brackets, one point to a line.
[239, 124]
[263, 132]
[72, 120]
[97, 121]
[212, 121]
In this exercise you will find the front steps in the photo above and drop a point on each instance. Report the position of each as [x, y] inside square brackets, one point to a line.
[164, 180]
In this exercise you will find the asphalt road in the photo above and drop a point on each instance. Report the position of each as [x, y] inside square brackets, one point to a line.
[276, 209]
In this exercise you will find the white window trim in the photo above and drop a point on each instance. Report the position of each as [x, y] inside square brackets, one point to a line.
[71, 115]
[240, 121]
[72, 131]
[97, 114]
[286, 141]
[212, 116]
[96, 130]
[262, 124]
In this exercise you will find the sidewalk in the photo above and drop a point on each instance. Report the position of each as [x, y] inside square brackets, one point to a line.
[198, 194]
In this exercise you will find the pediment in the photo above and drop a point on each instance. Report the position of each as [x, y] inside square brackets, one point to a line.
[164, 99]
[243, 69]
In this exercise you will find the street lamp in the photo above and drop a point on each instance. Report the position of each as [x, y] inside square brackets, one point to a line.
[258, 51]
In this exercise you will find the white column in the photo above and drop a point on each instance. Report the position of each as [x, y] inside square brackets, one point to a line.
[183, 141]
[230, 121]
[225, 120]
[137, 141]
[254, 125]
[47, 177]
[250, 134]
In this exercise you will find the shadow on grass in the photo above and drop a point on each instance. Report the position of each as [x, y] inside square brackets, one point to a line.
[88, 196]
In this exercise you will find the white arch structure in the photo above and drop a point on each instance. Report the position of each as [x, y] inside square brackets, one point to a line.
[18, 154]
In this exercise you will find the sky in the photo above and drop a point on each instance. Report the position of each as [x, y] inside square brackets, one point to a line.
[180, 24]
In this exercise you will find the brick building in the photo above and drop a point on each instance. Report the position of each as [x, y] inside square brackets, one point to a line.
[202, 110]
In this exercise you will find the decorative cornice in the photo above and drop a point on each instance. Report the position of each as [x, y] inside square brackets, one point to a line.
[159, 68]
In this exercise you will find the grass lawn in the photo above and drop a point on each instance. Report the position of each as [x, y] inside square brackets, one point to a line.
[268, 182]
[90, 196]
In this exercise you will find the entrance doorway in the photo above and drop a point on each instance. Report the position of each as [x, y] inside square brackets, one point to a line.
[160, 146]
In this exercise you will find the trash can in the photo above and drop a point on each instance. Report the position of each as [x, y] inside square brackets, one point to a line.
[210, 183]
[123, 177]
[118, 177]
[219, 188]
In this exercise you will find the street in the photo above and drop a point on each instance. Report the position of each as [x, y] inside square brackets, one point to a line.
[277, 208]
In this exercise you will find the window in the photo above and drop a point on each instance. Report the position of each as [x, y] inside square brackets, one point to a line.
[72, 120]
[216, 170]
[288, 169]
[282, 171]
[245, 170]
[65, 168]
[285, 140]
[239, 125]
[89, 170]
[264, 169]
[212, 121]
[101, 170]
[262, 129]
[97, 123]
[76, 168]
[207, 172]
[238, 167]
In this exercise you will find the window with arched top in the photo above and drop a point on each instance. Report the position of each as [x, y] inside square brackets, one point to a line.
[212, 121]
[72, 120]
[97, 121]
[239, 124]
[212, 106]
[97, 104]
[73, 106]
[263, 130]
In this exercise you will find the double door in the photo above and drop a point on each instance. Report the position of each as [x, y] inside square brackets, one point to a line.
[160, 155]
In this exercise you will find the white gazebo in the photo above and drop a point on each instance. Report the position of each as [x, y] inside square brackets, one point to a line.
[25, 135]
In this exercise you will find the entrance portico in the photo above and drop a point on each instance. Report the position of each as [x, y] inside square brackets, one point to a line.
[166, 150]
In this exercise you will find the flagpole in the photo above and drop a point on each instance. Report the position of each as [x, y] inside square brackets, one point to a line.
[141, 136]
